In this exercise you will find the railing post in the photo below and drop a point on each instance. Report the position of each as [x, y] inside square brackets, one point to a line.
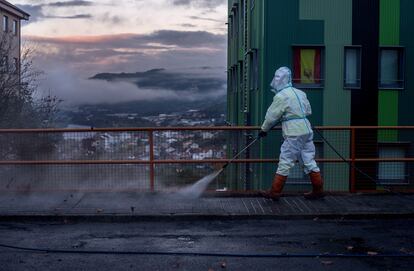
[151, 158]
[353, 172]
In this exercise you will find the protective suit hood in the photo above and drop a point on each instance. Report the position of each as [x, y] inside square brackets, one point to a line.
[281, 80]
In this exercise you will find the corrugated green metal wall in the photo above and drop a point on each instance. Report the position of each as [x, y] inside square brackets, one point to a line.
[297, 23]
[243, 104]
[256, 12]
[389, 36]
[406, 97]
[337, 17]
[256, 42]
[280, 33]
[233, 87]
[273, 27]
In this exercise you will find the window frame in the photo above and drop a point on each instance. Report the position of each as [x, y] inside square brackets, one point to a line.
[235, 13]
[401, 67]
[405, 147]
[240, 75]
[15, 28]
[230, 26]
[321, 85]
[5, 23]
[241, 16]
[234, 78]
[360, 67]
[253, 69]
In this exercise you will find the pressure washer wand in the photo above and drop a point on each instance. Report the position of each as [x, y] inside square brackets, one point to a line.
[240, 152]
[245, 148]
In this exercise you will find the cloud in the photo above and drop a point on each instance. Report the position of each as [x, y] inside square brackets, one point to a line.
[158, 84]
[158, 39]
[78, 16]
[38, 11]
[74, 89]
[35, 11]
[112, 19]
[193, 61]
[75, 3]
[188, 25]
[194, 64]
[210, 4]
[206, 19]
[187, 38]
[131, 52]
[162, 79]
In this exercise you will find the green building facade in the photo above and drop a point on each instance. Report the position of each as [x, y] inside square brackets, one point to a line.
[353, 58]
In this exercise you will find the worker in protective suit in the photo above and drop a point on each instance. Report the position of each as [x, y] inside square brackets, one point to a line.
[290, 106]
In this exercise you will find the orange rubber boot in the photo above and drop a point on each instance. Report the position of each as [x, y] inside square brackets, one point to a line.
[317, 186]
[277, 186]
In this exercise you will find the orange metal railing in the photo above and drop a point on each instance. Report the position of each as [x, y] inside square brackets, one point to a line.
[350, 139]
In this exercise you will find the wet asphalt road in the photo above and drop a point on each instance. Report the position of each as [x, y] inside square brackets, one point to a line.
[225, 236]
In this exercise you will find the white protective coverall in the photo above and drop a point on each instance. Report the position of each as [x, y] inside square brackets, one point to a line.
[291, 106]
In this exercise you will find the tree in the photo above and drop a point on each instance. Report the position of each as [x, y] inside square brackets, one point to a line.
[22, 104]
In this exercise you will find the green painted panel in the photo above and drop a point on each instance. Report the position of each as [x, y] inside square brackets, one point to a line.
[305, 36]
[337, 17]
[388, 99]
[388, 102]
[278, 43]
[256, 18]
[389, 22]
[256, 42]
[406, 97]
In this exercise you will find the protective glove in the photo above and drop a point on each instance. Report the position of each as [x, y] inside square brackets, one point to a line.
[262, 134]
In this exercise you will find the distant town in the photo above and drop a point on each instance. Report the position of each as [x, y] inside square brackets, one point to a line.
[197, 145]
[146, 114]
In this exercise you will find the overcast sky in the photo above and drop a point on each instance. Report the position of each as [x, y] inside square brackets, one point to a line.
[75, 40]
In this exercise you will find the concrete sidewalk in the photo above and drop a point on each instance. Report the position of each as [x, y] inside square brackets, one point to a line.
[133, 206]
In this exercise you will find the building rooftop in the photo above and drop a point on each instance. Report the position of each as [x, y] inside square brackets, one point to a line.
[7, 6]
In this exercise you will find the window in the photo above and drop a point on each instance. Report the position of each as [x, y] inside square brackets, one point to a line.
[392, 172]
[241, 14]
[308, 66]
[234, 20]
[254, 70]
[240, 76]
[229, 86]
[234, 79]
[5, 23]
[16, 67]
[352, 69]
[15, 27]
[4, 64]
[391, 67]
